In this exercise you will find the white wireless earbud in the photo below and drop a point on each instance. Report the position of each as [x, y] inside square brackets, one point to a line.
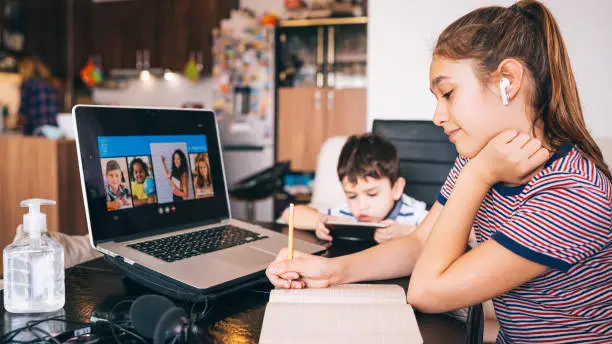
[504, 83]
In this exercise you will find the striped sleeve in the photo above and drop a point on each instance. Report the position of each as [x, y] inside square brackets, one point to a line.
[412, 211]
[559, 227]
[449, 184]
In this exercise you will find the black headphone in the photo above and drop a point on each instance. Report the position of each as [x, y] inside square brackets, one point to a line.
[152, 316]
[158, 318]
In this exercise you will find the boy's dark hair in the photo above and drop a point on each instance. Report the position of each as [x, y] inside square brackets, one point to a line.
[368, 155]
[144, 167]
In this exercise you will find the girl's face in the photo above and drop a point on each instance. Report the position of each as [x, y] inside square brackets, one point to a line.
[177, 160]
[139, 173]
[470, 111]
[202, 168]
[114, 178]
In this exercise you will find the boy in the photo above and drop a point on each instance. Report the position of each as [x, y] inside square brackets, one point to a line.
[368, 169]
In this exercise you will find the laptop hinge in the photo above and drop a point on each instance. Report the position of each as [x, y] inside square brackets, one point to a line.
[106, 252]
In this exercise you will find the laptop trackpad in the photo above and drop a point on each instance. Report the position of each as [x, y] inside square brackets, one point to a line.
[248, 256]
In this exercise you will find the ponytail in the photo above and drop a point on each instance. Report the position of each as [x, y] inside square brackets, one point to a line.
[563, 117]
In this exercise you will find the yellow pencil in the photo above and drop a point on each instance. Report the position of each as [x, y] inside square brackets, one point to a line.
[290, 253]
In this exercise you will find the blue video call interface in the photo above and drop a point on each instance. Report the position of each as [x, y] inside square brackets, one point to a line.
[150, 170]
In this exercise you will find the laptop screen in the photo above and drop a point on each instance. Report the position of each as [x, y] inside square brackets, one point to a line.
[149, 171]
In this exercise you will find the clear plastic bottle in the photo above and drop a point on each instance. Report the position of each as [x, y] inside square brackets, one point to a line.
[34, 266]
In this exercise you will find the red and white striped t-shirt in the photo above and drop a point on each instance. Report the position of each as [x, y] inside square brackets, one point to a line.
[561, 219]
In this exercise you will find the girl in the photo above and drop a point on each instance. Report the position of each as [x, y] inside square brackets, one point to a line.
[178, 176]
[39, 95]
[139, 174]
[202, 180]
[530, 180]
[117, 195]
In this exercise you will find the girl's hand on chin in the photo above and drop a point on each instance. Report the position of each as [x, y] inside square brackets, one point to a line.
[509, 157]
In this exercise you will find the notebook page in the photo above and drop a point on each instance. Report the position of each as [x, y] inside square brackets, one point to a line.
[339, 323]
[346, 293]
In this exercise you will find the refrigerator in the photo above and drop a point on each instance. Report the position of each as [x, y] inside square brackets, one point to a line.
[243, 99]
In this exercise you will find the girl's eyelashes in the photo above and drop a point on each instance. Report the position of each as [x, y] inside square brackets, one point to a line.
[447, 94]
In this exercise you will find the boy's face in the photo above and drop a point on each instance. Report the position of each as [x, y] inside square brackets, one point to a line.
[114, 178]
[371, 199]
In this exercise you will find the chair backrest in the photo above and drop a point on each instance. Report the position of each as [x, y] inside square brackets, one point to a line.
[474, 325]
[326, 189]
[425, 154]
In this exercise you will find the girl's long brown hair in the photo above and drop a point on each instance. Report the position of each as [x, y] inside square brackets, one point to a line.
[528, 32]
[203, 180]
[30, 67]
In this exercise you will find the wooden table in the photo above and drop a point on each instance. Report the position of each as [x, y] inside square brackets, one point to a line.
[94, 287]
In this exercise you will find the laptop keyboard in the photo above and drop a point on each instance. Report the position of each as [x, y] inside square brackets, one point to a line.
[191, 244]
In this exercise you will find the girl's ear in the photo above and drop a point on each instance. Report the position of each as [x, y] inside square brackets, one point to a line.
[513, 71]
[398, 188]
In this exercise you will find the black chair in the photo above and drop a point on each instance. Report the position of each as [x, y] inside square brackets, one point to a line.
[474, 325]
[425, 154]
[259, 185]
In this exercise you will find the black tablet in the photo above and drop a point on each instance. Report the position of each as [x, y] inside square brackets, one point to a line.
[353, 230]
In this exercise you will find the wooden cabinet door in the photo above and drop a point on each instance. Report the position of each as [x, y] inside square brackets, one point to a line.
[43, 168]
[302, 126]
[346, 111]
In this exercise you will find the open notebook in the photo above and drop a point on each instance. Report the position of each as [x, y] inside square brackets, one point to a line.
[350, 313]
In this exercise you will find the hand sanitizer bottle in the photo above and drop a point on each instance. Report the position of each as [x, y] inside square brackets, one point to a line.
[34, 266]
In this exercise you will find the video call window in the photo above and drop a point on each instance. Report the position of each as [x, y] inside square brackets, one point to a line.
[118, 194]
[141, 180]
[160, 169]
[202, 180]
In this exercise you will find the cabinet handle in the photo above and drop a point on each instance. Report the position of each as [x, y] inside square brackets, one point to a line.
[319, 79]
[317, 101]
[331, 80]
[330, 100]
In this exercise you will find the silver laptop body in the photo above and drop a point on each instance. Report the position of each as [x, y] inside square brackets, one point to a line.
[203, 271]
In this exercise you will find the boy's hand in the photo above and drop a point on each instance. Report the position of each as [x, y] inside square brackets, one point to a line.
[114, 205]
[320, 230]
[392, 231]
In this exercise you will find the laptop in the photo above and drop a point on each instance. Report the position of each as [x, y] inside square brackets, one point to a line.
[156, 197]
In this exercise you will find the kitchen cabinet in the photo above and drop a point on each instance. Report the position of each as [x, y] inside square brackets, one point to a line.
[307, 116]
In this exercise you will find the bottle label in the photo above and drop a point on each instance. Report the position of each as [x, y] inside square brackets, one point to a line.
[42, 276]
